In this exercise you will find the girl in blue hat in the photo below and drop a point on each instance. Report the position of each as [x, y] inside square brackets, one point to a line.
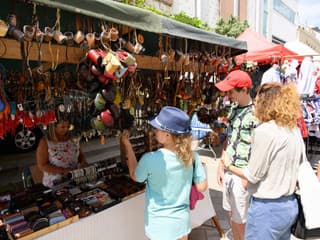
[168, 174]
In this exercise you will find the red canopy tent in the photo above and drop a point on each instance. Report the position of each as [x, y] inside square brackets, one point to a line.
[255, 41]
[261, 50]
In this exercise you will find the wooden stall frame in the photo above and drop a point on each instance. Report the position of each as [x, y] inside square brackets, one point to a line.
[10, 49]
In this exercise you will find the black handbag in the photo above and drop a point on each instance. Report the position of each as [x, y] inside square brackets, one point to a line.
[299, 229]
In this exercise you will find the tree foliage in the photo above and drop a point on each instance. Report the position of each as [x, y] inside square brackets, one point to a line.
[232, 27]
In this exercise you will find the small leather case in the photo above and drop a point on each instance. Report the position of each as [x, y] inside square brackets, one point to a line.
[56, 217]
[23, 233]
[32, 216]
[18, 226]
[47, 209]
[29, 209]
[11, 218]
[39, 224]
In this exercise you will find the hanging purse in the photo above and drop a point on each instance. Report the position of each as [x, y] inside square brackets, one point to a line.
[195, 195]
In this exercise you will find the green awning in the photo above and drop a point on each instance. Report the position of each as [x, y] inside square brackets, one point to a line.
[144, 20]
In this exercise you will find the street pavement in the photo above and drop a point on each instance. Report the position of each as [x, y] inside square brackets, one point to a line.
[208, 230]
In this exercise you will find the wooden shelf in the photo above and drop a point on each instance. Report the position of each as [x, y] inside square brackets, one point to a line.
[10, 49]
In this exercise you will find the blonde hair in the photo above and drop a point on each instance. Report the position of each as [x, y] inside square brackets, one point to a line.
[183, 147]
[278, 103]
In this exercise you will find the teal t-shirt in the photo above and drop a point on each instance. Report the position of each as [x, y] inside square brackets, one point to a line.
[168, 183]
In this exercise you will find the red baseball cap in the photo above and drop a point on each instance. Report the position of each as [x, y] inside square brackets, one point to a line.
[234, 79]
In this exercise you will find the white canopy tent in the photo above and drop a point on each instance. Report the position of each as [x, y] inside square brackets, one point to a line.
[302, 49]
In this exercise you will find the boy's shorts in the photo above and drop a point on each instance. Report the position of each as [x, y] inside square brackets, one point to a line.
[235, 198]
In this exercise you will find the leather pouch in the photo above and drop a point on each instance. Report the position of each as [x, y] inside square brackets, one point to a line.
[39, 224]
[46, 210]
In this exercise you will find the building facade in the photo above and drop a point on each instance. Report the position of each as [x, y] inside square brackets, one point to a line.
[310, 37]
[268, 17]
[206, 10]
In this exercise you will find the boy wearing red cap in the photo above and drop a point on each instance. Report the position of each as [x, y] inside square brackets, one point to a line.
[241, 123]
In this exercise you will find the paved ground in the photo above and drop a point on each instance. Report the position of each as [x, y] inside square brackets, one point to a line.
[207, 230]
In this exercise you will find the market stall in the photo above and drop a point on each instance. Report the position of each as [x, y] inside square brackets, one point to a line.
[106, 67]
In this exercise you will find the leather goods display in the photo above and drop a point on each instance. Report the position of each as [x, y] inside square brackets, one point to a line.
[32, 216]
[48, 208]
[122, 186]
[27, 210]
[13, 217]
[56, 217]
[23, 232]
[64, 196]
[107, 118]
[97, 199]
[18, 226]
[39, 223]
[79, 208]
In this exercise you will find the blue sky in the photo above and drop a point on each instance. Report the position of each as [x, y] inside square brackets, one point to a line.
[309, 11]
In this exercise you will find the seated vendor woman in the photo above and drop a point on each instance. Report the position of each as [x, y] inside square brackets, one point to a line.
[57, 154]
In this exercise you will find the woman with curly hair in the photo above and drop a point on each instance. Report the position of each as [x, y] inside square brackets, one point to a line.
[277, 147]
[168, 173]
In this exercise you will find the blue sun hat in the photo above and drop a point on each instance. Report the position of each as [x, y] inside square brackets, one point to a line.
[172, 120]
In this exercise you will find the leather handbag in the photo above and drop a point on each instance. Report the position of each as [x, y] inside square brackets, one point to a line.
[195, 195]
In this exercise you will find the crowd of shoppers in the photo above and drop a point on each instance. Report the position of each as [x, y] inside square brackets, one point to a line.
[258, 167]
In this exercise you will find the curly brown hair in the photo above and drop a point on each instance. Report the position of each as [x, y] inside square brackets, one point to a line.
[183, 147]
[278, 103]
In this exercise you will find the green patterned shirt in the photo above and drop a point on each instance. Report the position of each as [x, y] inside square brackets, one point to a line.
[241, 124]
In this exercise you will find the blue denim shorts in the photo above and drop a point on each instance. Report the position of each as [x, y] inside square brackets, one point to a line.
[271, 219]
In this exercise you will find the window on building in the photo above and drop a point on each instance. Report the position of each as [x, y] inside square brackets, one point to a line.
[265, 18]
[284, 10]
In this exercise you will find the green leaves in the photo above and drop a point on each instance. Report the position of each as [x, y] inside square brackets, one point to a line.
[232, 27]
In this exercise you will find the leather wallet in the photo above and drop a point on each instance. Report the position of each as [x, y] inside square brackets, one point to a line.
[18, 226]
[39, 224]
[13, 217]
[47, 209]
